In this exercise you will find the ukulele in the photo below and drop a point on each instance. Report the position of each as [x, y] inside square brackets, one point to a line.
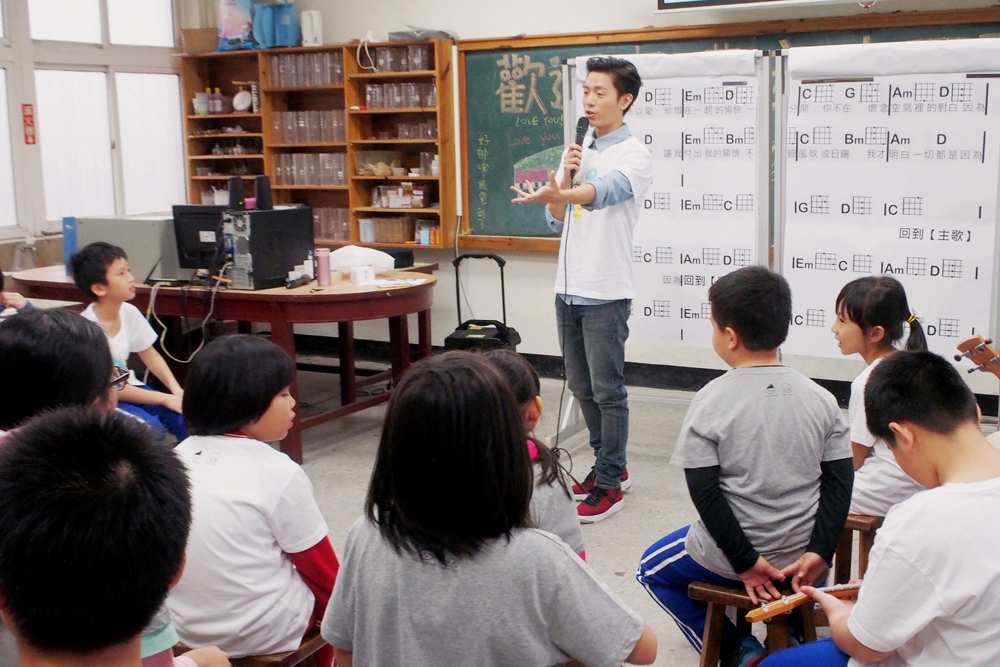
[789, 602]
[982, 354]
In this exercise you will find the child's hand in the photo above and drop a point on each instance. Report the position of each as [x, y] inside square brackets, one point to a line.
[13, 300]
[835, 608]
[173, 402]
[210, 656]
[806, 570]
[758, 581]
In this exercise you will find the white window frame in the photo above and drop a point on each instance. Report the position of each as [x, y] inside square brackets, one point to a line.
[21, 56]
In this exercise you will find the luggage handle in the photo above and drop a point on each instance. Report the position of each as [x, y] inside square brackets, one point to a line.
[501, 262]
[483, 324]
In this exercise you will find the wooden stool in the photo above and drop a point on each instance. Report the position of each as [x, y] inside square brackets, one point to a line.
[303, 655]
[865, 526]
[720, 597]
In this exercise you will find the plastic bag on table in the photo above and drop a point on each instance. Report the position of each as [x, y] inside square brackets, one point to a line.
[346, 258]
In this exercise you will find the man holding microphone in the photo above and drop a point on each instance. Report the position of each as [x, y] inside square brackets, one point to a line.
[593, 201]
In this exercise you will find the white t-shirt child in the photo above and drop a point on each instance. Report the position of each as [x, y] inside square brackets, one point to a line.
[932, 590]
[251, 505]
[880, 483]
[135, 335]
[599, 242]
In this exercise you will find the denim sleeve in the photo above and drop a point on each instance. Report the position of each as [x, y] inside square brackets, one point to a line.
[554, 223]
[612, 188]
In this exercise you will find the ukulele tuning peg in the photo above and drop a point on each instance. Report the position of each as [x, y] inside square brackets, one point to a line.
[989, 341]
[958, 357]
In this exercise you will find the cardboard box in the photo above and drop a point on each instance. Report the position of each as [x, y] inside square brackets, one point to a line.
[199, 40]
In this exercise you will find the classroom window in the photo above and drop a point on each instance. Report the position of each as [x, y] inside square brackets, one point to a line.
[149, 121]
[75, 139]
[8, 214]
[141, 22]
[65, 20]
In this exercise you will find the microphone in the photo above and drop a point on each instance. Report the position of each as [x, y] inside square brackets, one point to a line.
[582, 126]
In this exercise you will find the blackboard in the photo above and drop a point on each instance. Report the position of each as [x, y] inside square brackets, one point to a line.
[504, 137]
[514, 132]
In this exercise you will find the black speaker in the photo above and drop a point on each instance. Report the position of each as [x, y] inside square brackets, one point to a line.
[236, 201]
[265, 202]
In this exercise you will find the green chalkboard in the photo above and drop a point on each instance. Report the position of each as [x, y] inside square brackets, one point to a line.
[514, 130]
[513, 116]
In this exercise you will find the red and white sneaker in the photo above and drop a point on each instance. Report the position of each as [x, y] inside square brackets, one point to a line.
[600, 504]
[583, 489]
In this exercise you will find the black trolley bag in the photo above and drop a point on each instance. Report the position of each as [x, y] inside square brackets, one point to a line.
[481, 334]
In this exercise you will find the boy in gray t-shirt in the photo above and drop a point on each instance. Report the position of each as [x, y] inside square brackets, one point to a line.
[767, 457]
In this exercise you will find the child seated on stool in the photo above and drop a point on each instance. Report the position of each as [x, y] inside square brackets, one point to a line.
[94, 516]
[260, 567]
[101, 272]
[552, 505]
[466, 581]
[767, 458]
[931, 595]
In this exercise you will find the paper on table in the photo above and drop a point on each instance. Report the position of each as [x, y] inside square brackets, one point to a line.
[392, 283]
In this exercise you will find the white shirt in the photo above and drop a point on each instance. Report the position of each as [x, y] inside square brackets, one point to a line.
[932, 590]
[596, 246]
[880, 483]
[134, 335]
[252, 505]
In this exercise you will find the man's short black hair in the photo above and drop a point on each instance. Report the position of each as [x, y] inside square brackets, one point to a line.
[89, 265]
[232, 383]
[622, 72]
[50, 359]
[94, 517]
[452, 422]
[920, 388]
[756, 303]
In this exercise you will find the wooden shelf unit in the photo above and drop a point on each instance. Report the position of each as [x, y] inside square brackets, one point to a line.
[211, 70]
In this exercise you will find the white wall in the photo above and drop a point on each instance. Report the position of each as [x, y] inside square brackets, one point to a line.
[531, 276]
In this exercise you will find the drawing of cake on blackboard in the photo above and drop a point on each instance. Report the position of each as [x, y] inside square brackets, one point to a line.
[535, 168]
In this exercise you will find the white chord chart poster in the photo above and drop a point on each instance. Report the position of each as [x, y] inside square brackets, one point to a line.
[702, 118]
[891, 163]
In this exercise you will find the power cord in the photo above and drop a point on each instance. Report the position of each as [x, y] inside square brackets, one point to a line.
[371, 66]
[204, 322]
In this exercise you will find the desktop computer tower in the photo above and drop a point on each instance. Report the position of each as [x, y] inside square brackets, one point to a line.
[265, 245]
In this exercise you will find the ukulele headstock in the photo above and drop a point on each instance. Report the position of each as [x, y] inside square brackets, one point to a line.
[981, 352]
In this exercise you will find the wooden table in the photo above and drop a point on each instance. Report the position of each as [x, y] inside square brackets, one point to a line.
[342, 302]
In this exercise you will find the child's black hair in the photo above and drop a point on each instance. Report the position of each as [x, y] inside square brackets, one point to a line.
[756, 303]
[452, 423]
[917, 387]
[95, 517]
[50, 359]
[89, 265]
[232, 382]
[880, 301]
[523, 379]
[623, 74]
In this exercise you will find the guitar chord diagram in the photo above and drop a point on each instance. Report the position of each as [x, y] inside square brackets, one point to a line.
[664, 255]
[869, 92]
[637, 253]
[715, 95]
[862, 264]
[962, 92]
[916, 266]
[710, 256]
[742, 257]
[925, 92]
[826, 261]
[913, 205]
[951, 268]
[748, 136]
[661, 201]
[815, 317]
[661, 309]
[661, 97]
[744, 94]
[949, 328]
[876, 136]
[861, 205]
[819, 204]
[792, 137]
[744, 202]
[712, 202]
[822, 135]
[706, 311]
[715, 135]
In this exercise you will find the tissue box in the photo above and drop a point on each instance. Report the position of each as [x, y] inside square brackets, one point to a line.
[363, 275]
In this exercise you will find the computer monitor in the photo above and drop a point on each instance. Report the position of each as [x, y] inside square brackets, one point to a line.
[197, 229]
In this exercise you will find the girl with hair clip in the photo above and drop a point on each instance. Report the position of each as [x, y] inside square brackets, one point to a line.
[552, 506]
[872, 316]
[463, 579]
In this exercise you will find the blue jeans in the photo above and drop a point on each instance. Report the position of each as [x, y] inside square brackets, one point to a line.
[665, 571]
[158, 416]
[822, 653]
[593, 346]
